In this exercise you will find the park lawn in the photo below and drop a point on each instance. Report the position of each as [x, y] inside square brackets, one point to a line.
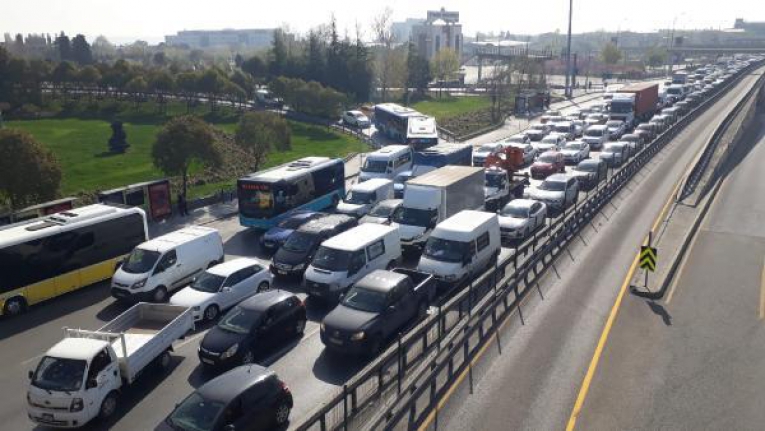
[448, 106]
[81, 147]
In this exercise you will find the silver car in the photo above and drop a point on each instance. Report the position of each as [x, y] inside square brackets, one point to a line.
[615, 154]
[558, 192]
[519, 218]
[382, 212]
[575, 152]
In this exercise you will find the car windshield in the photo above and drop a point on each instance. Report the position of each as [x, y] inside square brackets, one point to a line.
[300, 242]
[375, 166]
[562, 128]
[363, 299]
[614, 123]
[494, 180]
[383, 211]
[292, 222]
[331, 259]
[547, 158]
[550, 140]
[515, 211]
[553, 186]
[486, 149]
[140, 261]
[612, 149]
[446, 250]
[516, 140]
[359, 198]
[587, 167]
[209, 283]
[59, 374]
[195, 414]
[414, 216]
[239, 320]
[594, 132]
[575, 146]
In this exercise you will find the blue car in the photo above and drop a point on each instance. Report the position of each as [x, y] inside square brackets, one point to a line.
[278, 235]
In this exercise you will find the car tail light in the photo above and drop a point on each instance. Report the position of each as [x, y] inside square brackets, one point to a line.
[285, 388]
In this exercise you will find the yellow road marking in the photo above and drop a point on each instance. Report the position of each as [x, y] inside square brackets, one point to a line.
[762, 292]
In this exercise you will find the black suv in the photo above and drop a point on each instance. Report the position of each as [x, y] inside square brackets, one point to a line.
[247, 398]
[295, 255]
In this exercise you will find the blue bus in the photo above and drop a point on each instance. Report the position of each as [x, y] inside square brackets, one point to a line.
[405, 125]
[310, 183]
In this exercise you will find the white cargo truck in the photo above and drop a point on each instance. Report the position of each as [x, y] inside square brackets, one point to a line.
[81, 377]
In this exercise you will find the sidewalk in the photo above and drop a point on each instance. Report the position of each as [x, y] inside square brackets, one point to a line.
[199, 217]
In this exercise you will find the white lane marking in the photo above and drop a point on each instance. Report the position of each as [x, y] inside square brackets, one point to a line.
[190, 340]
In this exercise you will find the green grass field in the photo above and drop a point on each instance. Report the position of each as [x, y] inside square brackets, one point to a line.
[448, 106]
[81, 147]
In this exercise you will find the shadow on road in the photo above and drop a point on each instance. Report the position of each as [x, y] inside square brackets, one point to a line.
[660, 311]
[337, 369]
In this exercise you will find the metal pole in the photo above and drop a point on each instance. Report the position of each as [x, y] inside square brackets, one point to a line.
[568, 49]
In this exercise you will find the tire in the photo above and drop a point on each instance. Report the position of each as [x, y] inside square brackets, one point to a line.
[375, 346]
[160, 294]
[264, 286]
[211, 312]
[391, 265]
[164, 361]
[300, 327]
[282, 414]
[422, 309]
[15, 306]
[108, 406]
[248, 357]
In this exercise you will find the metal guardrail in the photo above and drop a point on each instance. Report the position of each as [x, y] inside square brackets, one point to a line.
[425, 361]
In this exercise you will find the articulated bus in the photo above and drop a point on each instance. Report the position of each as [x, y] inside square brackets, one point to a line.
[405, 125]
[43, 258]
[310, 183]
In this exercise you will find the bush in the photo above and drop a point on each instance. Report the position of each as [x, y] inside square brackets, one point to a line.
[29, 110]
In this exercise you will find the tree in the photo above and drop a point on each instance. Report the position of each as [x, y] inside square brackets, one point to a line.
[255, 67]
[257, 132]
[315, 64]
[161, 82]
[610, 54]
[211, 83]
[444, 64]
[182, 142]
[64, 47]
[103, 49]
[418, 71]
[655, 56]
[22, 158]
[278, 54]
[81, 50]
[118, 141]
[382, 28]
[188, 83]
[159, 59]
[90, 78]
[137, 87]
[63, 75]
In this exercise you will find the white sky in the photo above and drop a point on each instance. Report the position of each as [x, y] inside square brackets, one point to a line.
[152, 19]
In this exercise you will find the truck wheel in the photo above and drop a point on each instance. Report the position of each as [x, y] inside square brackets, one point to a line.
[164, 360]
[211, 312]
[300, 327]
[108, 406]
[391, 265]
[160, 294]
[282, 414]
[14, 306]
[264, 287]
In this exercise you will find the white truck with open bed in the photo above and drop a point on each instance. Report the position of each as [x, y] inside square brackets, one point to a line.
[81, 377]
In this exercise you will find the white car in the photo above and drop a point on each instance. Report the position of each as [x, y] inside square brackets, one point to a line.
[529, 152]
[356, 119]
[551, 142]
[481, 153]
[223, 286]
[558, 192]
[575, 152]
[519, 218]
[518, 139]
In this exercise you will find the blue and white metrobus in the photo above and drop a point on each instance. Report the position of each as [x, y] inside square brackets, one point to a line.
[269, 196]
[405, 125]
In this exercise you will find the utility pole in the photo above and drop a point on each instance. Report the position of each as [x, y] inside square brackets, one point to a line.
[569, 92]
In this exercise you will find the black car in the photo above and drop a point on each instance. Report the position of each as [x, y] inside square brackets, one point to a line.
[247, 398]
[293, 257]
[589, 173]
[257, 323]
[273, 238]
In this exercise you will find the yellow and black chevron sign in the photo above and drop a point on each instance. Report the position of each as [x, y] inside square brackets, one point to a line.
[648, 257]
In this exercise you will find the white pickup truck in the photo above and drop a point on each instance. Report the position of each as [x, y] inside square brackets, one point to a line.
[81, 377]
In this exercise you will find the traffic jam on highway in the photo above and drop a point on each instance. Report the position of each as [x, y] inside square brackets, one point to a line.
[354, 264]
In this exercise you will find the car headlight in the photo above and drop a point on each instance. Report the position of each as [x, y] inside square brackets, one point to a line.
[299, 267]
[77, 405]
[450, 277]
[139, 284]
[358, 336]
[230, 352]
[323, 326]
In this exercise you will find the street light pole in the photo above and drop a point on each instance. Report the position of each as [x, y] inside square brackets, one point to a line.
[569, 92]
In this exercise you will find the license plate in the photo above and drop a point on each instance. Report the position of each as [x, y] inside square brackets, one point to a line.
[47, 417]
[335, 341]
[207, 361]
[281, 272]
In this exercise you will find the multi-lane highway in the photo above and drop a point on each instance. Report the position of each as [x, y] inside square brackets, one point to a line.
[546, 349]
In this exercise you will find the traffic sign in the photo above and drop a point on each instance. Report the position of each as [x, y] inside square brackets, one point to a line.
[648, 258]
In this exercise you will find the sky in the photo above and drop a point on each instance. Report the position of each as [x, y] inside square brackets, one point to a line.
[122, 21]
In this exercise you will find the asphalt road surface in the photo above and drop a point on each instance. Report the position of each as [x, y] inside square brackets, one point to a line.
[547, 347]
[697, 359]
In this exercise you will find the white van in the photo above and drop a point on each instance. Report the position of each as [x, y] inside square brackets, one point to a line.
[462, 246]
[346, 258]
[167, 263]
[363, 196]
[387, 162]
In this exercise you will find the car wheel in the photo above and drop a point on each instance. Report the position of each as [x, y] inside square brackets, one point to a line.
[300, 327]
[160, 294]
[282, 414]
[211, 312]
[14, 307]
[164, 361]
[264, 286]
[422, 309]
[108, 406]
[248, 357]
[391, 265]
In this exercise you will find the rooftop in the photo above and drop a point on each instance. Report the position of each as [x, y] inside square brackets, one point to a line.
[359, 236]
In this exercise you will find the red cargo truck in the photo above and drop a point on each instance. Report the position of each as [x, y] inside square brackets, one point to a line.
[635, 103]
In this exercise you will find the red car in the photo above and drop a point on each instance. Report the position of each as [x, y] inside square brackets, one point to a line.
[548, 163]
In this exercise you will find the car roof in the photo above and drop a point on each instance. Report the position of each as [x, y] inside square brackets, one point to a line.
[371, 185]
[381, 281]
[359, 236]
[264, 300]
[233, 383]
[171, 240]
[391, 203]
[521, 203]
[327, 222]
[464, 222]
[550, 153]
[77, 348]
[557, 178]
[586, 162]
[231, 266]
[598, 127]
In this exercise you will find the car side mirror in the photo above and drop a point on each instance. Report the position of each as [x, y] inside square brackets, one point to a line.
[225, 289]
[92, 383]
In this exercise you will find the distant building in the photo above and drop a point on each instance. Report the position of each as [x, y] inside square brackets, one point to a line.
[440, 30]
[402, 30]
[750, 27]
[254, 38]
